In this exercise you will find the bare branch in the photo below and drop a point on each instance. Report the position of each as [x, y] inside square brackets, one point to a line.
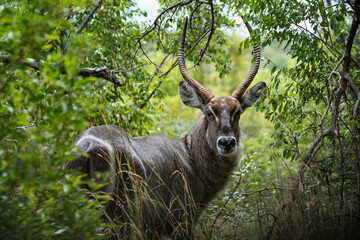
[356, 146]
[157, 70]
[87, 19]
[102, 72]
[334, 71]
[123, 70]
[329, 47]
[212, 29]
[193, 11]
[158, 85]
[143, 51]
[81, 15]
[11, 140]
[158, 22]
[221, 210]
[155, 23]
[32, 63]
[346, 72]
[267, 189]
[276, 216]
[176, 62]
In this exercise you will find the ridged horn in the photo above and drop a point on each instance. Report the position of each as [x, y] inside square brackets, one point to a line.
[240, 90]
[198, 88]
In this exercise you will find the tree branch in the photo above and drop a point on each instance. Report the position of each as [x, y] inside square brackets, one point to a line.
[176, 61]
[158, 85]
[123, 70]
[212, 30]
[155, 23]
[87, 19]
[102, 72]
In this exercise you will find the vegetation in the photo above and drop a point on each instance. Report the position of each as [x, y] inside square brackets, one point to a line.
[68, 65]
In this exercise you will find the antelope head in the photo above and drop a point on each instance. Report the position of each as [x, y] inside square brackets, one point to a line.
[221, 114]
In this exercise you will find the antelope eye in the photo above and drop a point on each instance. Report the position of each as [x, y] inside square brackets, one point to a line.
[236, 114]
[209, 113]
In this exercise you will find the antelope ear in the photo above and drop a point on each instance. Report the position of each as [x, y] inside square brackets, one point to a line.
[189, 97]
[252, 95]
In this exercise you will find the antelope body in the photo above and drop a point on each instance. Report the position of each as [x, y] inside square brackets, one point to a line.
[162, 184]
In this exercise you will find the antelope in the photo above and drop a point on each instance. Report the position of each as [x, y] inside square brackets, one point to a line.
[162, 184]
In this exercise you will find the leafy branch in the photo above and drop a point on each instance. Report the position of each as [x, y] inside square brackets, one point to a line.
[332, 130]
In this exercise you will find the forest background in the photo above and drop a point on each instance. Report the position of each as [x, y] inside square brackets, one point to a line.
[68, 65]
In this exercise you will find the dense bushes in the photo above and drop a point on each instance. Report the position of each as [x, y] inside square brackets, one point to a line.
[300, 180]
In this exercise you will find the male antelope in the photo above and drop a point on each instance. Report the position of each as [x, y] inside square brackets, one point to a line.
[162, 184]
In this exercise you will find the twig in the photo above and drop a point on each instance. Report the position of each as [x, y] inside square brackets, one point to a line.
[143, 51]
[31, 124]
[212, 29]
[155, 23]
[158, 85]
[199, 3]
[176, 62]
[334, 71]
[112, 49]
[266, 189]
[276, 216]
[87, 19]
[157, 70]
[329, 47]
[330, 99]
[123, 70]
[227, 201]
[325, 19]
[81, 15]
[151, 95]
[10, 140]
[356, 150]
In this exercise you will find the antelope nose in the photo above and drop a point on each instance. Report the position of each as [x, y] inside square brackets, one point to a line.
[226, 144]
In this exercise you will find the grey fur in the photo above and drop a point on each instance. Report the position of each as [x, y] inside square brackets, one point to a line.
[189, 97]
[161, 185]
[252, 95]
[175, 174]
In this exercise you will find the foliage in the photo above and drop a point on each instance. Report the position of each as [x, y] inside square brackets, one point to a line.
[313, 174]
[42, 111]
[315, 116]
[300, 182]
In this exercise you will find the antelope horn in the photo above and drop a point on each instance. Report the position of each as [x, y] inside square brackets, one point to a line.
[240, 90]
[202, 92]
